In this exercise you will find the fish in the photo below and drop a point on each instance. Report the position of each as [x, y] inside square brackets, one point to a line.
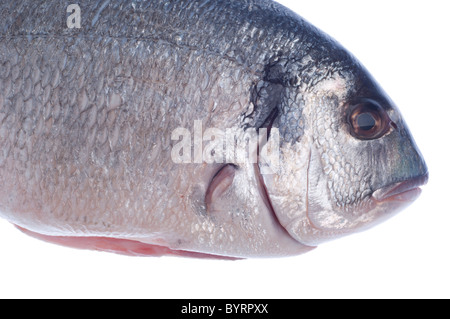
[227, 129]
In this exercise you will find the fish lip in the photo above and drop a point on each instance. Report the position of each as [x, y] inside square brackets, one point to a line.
[405, 191]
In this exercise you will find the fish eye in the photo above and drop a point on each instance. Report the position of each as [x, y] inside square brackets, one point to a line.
[368, 120]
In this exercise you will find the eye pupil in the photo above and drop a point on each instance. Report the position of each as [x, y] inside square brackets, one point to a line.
[366, 121]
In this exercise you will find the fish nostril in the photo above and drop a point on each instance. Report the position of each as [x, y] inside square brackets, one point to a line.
[394, 125]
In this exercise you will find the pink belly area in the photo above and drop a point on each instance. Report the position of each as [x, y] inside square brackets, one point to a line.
[119, 246]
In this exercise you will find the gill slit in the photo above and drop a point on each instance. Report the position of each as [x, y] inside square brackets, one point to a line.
[267, 201]
[307, 187]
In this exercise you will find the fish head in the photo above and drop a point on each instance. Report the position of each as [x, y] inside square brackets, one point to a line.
[347, 160]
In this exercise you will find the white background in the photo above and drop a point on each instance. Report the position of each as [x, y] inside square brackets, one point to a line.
[405, 44]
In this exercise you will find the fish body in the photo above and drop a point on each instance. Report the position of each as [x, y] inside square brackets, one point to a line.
[109, 110]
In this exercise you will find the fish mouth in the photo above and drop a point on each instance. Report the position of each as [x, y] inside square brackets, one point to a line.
[406, 191]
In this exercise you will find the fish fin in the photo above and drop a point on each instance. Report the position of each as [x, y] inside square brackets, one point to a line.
[220, 183]
[119, 246]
